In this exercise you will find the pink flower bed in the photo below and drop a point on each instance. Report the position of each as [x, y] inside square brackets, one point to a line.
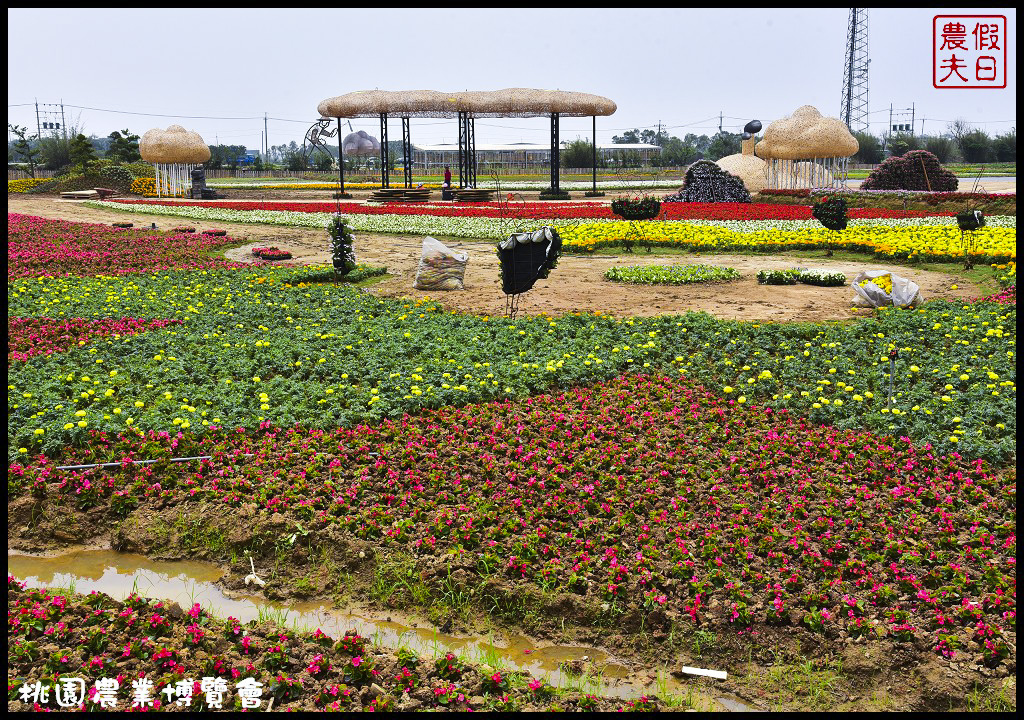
[27, 337]
[38, 246]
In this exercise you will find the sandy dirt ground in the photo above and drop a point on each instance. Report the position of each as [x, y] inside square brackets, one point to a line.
[577, 284]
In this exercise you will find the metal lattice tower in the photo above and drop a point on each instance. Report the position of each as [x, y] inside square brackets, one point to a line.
[854, 107]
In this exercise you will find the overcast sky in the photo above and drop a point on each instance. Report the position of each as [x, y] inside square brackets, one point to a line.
[678, 67]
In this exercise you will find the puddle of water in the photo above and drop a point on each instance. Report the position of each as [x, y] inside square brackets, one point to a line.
[186, 582]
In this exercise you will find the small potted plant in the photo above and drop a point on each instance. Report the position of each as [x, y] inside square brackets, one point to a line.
[343, 256]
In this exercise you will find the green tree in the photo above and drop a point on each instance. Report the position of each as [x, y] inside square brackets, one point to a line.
[676, 152]
[123, 146]
[257, 163]
[940, 147]
[25, 147]
[577, 154]
[870, 150]
[1005, 146]
[322, 161]
[630, 137]
[295, 160]
[976, 146]
[901, 143]
[724, 144]
[82, 152]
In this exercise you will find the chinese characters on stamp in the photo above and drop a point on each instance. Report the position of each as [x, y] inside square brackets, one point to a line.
[969, 51]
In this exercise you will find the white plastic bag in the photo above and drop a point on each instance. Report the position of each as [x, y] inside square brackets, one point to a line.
[440, 268]
[904, 293]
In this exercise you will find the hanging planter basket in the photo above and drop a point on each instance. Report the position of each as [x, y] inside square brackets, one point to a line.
[639, 209]
[970, 220]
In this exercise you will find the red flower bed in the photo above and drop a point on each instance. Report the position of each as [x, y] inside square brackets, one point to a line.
[568, 211]
[38, 246]
[27, 337]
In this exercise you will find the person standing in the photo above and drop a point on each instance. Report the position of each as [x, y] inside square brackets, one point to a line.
[447, 176]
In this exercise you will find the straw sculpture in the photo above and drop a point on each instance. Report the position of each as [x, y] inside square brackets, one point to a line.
[173, 153]
[510, 102]
[807, 134]
[807, 150]
[173, 145]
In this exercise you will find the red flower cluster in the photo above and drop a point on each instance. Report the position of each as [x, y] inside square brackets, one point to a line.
[40, 247]
[567, 211]
[27, 337]
[271, 253]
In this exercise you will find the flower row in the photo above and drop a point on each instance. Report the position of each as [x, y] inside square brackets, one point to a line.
[27, 337]
[275, 343]
[535, 210]
[643, 493]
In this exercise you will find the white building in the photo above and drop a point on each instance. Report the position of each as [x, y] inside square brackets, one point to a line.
[522, 154]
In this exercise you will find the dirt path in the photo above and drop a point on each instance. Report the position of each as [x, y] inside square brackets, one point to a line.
[577, 284]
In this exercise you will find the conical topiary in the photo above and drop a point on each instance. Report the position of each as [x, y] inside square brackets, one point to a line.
[915, 170]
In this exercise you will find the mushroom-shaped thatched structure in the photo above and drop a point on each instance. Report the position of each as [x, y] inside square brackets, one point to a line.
[173, 153]
[807, 149]
[466, 106]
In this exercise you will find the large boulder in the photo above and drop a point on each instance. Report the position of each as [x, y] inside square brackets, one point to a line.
[706, 182]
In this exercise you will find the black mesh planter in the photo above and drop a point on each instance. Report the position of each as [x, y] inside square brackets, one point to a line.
[526, 258]
[521, 266]
[970, 220]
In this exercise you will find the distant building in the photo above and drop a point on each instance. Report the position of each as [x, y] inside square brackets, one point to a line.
[521, 154]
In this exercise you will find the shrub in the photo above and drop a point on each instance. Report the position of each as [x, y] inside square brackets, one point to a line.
[917, 170]
[117, 177]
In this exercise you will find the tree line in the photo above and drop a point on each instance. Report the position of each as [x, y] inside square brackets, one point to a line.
[961, 143]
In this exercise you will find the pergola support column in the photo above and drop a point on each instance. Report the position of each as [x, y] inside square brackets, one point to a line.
[595, 154]
[341, 160]
[471, 143]
[554, 152]
[385, 179]
[406, 152]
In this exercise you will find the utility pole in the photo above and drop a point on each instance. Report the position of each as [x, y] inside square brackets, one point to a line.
[720, 115]
[39, 129]
[912, 118]
[63, 124]
[266, 137]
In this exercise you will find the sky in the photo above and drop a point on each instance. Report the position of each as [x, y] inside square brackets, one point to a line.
[219, 71]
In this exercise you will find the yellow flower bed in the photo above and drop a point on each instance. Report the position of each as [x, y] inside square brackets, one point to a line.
[924, 242]
[144, 186]
[25, 184]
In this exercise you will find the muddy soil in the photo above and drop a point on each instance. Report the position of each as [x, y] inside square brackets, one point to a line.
[576, 285]
[783, 668]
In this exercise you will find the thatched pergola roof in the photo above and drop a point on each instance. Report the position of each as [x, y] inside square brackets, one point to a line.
[511, 102]
[173, 145]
